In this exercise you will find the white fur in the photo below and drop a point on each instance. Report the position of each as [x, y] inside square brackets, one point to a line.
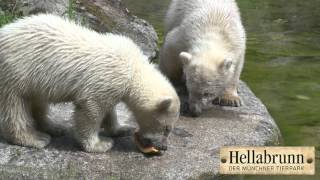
[211, 33]
[46, 59]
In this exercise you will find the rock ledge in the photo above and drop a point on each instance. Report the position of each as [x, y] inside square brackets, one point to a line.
[193, 151]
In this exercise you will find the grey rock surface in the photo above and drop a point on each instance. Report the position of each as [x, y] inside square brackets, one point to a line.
[100, 15]
[193, 151]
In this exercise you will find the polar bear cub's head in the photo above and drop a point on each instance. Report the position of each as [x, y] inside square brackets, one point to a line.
[206, 75]
[157, 120]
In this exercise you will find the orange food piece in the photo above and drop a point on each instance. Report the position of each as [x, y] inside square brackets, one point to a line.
[146, 150]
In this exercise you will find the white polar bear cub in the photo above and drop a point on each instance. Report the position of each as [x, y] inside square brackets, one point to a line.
[205, 46]
[46, 59]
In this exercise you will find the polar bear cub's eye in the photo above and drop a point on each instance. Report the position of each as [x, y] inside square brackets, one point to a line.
[227, 63]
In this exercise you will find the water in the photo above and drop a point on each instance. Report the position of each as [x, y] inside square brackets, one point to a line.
[282, 63]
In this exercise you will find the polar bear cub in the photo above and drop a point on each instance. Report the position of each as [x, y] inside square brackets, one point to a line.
[46, 59]
[205, 47]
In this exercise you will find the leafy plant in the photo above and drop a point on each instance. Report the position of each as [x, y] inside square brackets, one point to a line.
[7, 17]
[71, 10]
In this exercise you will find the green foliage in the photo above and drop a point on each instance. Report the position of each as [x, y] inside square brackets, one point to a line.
[10, 15]
[71, 10]
[6, 18]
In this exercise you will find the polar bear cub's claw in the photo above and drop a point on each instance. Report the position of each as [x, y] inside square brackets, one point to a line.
[228, 100]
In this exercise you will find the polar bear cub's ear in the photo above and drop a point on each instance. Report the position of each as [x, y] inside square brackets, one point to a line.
[185, 57]
[164, 103]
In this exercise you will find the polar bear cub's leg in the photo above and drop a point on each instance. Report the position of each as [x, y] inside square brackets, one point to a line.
[88, 118]
[113, 128]
[17, 124]
[230, 96]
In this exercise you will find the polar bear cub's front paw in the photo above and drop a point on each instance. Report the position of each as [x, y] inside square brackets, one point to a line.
[33, 139]
[228, 99]
[100, 145]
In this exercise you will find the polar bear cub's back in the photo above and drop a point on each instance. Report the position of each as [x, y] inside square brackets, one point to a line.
[47, 44]
[180, 9]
